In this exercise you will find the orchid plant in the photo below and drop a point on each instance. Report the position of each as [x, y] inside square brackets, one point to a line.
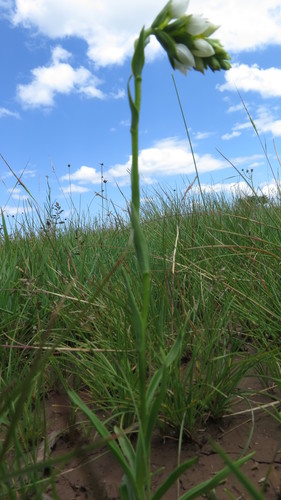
[186, 40]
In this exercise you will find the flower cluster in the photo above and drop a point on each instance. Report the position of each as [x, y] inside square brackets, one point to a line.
[186, 39]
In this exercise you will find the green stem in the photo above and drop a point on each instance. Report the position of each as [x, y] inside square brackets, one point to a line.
[145, 276]
[142, 254]
[135, 147]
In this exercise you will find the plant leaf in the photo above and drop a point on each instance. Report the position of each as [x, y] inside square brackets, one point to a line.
[153, 411]
[173, 476]
[126, 447]
[162, 16]
[257, 495]
[174, 351]
[136, 318]
[153, 386]
[210, 484]
[125, 490]
[168, 45]
[140, 242]
[104, 433]
[6, 235]
[138, 57]
[134, 110]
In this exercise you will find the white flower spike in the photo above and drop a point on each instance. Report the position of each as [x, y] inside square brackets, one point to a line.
[178, 8]
[185, 38]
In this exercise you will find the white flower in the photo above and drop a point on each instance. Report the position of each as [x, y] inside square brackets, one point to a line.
[178, 8]
[198, 25]
[203, 48]
[186, 59]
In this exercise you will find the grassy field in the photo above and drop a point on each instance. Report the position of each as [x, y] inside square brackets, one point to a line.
[148, 324]
[66, 324]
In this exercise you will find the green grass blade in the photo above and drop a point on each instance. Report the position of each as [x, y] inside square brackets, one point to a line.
[154, 409]
[174, 351]
[153, 386]
[140, 243]
[126, 447]
[172, 478]
[104, 433]
[6, 235]
[257, 495]
[210, 484]
[125, 490]
[136, 318]
[141, 471]
[138, 58]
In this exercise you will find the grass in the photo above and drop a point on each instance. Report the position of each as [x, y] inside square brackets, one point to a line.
[65, 321]
[157, 322]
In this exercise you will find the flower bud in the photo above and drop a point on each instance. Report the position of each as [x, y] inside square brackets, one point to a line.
[162, 18]
[214, 64]
[199, 65]
[203, 48]
[225, 64]
[178, 8]
[211, 29]
[198, 25]
[217, 46]
[185, 59]
[177, 65]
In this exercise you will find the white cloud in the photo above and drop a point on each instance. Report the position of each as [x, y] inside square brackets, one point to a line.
[119, 94]
[247, 162]
[27, 173]
[6, 5]
[203, 135]
[231, 135]
[125, 123]
[57, 78]
[234, 108]
[266, 82]
[234, 188]
[271, 189]
[167, 157]
[13, 211]
[84, 175]
[59, 54]
[6, 112]
[17, 194]
[265, 121]
[109, 27]
[74, 188]
[245, 25]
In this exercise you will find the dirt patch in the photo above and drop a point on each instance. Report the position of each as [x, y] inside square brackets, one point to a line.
[97, 475]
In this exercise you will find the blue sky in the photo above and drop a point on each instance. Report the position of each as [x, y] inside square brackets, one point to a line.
[63, 101]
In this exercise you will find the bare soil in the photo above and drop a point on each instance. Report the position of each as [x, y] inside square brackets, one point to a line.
[97, 475]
